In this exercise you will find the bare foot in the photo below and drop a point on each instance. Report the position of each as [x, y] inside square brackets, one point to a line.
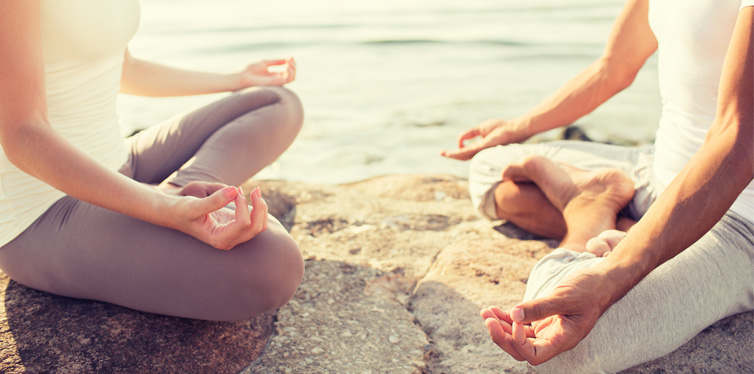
[604, 243]
[624, 223]
[590, 201]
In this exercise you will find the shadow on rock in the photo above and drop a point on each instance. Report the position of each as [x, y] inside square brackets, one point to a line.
[44, 333]
[279, 204]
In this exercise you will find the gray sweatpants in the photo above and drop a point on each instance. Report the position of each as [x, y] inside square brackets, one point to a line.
[81, 250]
[712, 279]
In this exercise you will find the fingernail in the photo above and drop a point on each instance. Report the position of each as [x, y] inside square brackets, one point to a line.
[259, 192]
[517, 314]
[230, 192]
[240, 190]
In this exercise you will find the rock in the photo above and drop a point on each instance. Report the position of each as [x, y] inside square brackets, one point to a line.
[397, 268]
[413, 187]
[355, 334]
[466, 276]
[414, 242]
[44, 333]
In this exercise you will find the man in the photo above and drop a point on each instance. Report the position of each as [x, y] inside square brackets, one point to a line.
[607, 304]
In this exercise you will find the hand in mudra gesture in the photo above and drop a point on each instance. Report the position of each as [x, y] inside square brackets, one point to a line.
[538, 330]
[269, 73]
[202, 213]
[491, 132]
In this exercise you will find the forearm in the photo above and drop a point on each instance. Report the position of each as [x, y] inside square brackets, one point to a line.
[146, 78]
[41, 152]
[629, 44]
[709, 184]
[577, 98]
[693, 203]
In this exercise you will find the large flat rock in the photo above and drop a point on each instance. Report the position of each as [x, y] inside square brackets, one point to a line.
[397, 270]
[415, 243]
[44, 333]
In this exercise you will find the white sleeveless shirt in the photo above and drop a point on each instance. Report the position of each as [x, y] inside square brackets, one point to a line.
[693, 39]
[83, 44]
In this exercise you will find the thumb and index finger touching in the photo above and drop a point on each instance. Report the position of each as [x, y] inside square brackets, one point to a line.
[216, 200]
[466, 152]
[537, 309]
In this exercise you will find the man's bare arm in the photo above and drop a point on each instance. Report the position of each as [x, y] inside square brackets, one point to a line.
[712, 180]
[629, 45]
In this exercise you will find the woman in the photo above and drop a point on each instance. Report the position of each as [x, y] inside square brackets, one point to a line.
[140, 222]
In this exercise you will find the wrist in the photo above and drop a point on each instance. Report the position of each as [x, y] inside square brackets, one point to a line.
[521, 126]
[164, 208]
[622, 273]
[234, 81]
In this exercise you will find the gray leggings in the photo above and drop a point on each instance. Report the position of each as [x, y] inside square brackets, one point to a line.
[712, 279]
[80, 250]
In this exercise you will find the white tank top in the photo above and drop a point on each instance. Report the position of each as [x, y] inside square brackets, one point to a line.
[83, 44]
[693, 39]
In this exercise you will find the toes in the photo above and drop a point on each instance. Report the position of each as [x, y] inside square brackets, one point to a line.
[597, 246]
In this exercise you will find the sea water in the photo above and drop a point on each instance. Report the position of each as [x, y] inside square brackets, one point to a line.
[388, 84]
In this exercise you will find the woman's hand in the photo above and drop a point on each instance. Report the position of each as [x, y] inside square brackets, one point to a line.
[540, 329]
[260, 73]
[206, 218]
[492, 132]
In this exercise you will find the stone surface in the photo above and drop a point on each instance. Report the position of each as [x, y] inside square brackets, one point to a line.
[43, 333]
[404, 260]
[397, 270]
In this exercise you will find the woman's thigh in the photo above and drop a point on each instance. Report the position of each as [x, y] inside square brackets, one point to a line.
[487, 166]
[226, 141]
[712, 279]
[80, 250]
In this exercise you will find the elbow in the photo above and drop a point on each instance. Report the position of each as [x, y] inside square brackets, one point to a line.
[17, 141]
[735, 133]
[617, 74]
[10, 147]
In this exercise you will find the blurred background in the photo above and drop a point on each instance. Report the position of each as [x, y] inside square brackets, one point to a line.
[387, 84]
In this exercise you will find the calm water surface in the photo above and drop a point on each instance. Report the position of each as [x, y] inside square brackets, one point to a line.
[386, 85]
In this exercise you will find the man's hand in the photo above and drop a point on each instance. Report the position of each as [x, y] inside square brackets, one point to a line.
[492, 132]
[538, 330]
[269, 73]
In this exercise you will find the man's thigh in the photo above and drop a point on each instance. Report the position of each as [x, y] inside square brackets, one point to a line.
[709, 281]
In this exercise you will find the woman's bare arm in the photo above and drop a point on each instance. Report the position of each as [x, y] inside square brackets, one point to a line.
[145, 78]
[30, 143]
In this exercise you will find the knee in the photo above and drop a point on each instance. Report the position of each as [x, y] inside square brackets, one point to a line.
[484, 175]
[286, 274]
[484, 165]
[485, 168]
[270, 277]
[288, 105]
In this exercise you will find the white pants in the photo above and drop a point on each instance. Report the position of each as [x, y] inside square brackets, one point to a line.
[712, 279]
